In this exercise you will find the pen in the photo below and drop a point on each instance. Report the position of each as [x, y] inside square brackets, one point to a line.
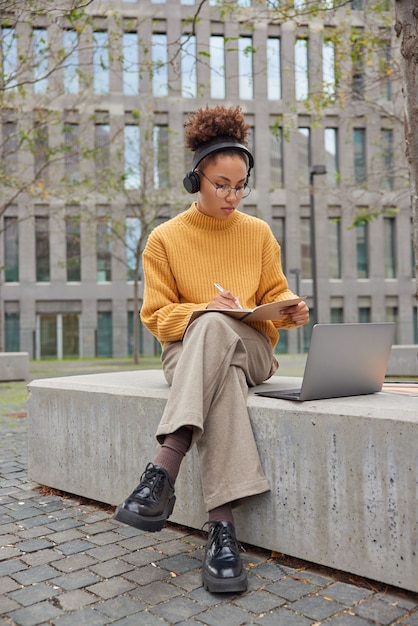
[221, 289]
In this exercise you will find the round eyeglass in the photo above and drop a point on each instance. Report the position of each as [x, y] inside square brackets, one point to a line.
[222, 191]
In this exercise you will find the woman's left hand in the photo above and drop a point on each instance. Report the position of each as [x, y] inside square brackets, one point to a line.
[299, 313]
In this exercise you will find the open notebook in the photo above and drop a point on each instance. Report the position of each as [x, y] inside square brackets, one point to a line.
[343, 360]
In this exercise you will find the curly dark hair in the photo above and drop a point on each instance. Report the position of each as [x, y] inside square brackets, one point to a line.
[207, 125]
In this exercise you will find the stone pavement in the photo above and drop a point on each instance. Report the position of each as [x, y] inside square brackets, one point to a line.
[65, 562]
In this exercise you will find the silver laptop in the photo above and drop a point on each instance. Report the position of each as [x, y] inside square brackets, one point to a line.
[343, 360]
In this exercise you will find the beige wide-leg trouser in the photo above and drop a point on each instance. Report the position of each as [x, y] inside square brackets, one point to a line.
[210, 371]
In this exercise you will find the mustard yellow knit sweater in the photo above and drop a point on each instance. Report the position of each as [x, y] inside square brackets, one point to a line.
[186, 255]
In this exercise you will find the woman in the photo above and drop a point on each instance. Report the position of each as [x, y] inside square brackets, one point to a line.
[210, 363]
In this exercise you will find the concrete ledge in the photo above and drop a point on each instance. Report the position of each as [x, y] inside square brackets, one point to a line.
[403, 361]
[14, 366]
[343, 472]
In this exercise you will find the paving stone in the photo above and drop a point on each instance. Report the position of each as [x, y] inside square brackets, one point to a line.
[34, 615]
[33, 545]
[75, 600]
[378, 610]
[76, 580]
[347, 619]
[283, 617]
[72, 547]
[114, 567]
[105, 553]
[147, 574]
[411, 620]
[85, 617]
[41, 557]
[35, 575]
[120, 607]
[180, 563]
[345, 593]
[156, 592]
[7, 584]
[290, 589]
[141, 619]
[259, 602]
[272, 571]
[32, 594]
[64, 524]
[316, 607]
[111, 588]
[74, 562]
[178, 609]
[225, 614]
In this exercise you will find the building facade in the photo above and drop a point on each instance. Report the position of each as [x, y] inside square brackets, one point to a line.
[106, 104]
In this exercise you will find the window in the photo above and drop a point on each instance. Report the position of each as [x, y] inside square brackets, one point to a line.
[40, 60]
[337, 315]
[58, 335]
[41, 151]
[415, 324]
[245, 64]
[217, 67]
[389, 233]
[72, 151]
[132, 235]
[304, 155]
[359, 141]
[305, 242]
[357, 5]
[71, 62]
[12, 331]
[392, 315]
[9, 149]
[11, 250]
[386, 71]
[301, 69]
[159, 65]
[331, 156]
[387, 158]
[364, 314]
[357, 65]
[101, 150]
[42, 249]
[362, 246]
[274, 84]
[104, 251]
[278, 230]
[334, 247]
[328, 68]
[130, 64]
[276, 157]
[188, 67]
[100, 62]
[104, 334]
[73, 248]
[132, 155]
[9, 58]
[161, 164]
[413, 263]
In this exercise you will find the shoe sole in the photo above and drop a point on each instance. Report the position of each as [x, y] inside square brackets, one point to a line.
[225, 585]
[151, 524]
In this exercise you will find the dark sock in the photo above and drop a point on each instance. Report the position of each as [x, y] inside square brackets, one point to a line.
[173, 450]
[221, 514]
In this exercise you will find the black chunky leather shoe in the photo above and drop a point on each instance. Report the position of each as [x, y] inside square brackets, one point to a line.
[222, 570]
[151, 503]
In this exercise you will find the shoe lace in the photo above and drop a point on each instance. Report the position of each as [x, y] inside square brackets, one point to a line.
[151, 478]
[222, 537]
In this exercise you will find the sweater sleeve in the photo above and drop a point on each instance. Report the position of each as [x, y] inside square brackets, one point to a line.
[162, 312]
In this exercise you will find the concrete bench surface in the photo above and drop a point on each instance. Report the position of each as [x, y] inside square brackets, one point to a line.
[343, 472]
[14, 366]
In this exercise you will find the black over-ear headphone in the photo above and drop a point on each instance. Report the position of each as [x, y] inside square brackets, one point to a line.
[191, 181]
